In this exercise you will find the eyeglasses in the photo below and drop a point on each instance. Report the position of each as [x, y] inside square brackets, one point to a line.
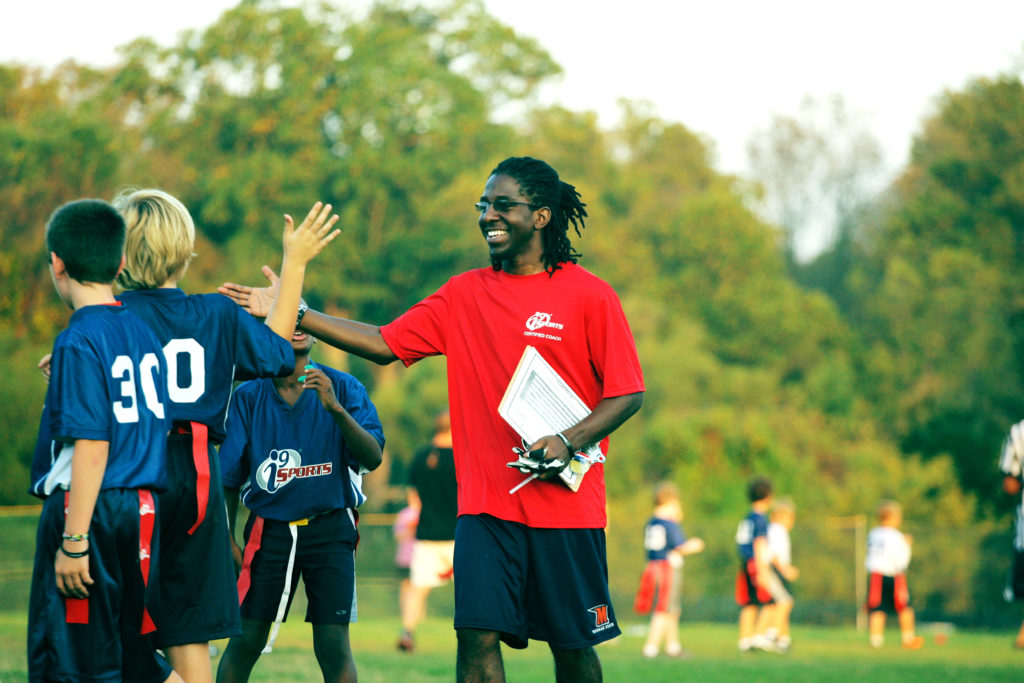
[501, 205]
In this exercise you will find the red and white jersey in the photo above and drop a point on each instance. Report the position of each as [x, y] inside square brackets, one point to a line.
[482, 320]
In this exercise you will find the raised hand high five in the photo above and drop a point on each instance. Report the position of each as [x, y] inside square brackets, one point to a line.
[301, 244]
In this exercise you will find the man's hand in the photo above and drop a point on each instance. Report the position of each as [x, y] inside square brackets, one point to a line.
[73, 577]
[324, 388]
[301, 244]
[256, 300]
[555, 450]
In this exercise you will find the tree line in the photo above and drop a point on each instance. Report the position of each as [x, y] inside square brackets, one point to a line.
[890, 365]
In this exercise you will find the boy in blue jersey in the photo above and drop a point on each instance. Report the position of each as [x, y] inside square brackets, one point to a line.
[105, 425]
[297, 448]
[208, 343]
[661, 584]
[756, 583]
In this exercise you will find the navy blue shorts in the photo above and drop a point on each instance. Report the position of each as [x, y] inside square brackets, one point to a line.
[545, 584]
[748, 592]
[324, 558]
[198, 600]
[101, 637]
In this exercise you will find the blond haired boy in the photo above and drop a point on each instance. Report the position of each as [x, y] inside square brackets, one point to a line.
[208, 342]
[887, 561]
[661, 584]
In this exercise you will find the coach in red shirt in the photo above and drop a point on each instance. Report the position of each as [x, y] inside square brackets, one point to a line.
[530, 564]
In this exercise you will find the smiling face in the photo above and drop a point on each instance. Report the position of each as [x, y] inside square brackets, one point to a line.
[513, 236]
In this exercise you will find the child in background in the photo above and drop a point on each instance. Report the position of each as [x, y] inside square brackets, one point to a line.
[404, 532]
[756, 583]
[776, 615]
[661, 584]
[887, 561]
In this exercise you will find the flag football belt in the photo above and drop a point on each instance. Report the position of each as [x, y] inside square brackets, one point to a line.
[201, 458]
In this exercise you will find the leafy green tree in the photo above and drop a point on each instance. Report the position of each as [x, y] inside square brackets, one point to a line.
[939, 296]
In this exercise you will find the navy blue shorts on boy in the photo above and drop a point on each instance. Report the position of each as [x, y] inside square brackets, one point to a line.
[107, 635]
[521, 582]
[324, 556]
[198, 601]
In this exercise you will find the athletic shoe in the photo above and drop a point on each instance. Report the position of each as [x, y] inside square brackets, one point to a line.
[915, 643]
[406, 642]
[650, 651]
[763, 643]
[679, 652]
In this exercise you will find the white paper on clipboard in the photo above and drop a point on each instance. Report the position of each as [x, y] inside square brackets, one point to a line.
[538, 402]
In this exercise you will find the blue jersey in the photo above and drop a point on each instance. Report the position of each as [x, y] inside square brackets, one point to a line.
[754, 525]
[662, 536]
[107, 383]
[209, 341]
[292, 462]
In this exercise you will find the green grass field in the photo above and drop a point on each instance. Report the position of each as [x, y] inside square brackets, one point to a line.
[819, 654]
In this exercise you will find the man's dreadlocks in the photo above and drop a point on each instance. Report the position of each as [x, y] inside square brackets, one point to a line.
[541, 184]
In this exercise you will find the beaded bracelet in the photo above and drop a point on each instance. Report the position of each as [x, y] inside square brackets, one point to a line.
[75, 537]
[74, 555]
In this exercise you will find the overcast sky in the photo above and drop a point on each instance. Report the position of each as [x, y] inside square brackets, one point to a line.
[721, 67]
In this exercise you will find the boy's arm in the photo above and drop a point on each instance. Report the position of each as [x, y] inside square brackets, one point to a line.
[691, 546]
[1011, 484]
[300, 246]
[361, 339]
[360, 442]
[231, 503]
[761, 557]
[88, 464]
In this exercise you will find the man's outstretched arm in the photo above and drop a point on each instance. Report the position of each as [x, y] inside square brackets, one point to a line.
[354, 337]
[361, 339]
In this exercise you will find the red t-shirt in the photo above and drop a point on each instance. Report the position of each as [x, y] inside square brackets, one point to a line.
[482, 320]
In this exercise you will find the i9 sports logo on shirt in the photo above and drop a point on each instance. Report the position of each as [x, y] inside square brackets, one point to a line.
[283, 465]
[541, 320]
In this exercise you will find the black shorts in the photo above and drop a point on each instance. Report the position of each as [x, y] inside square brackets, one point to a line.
[324, 558]
[747, 591]
[1015, 582]
[106, 636]
[545, 584]
[887, 594]
[198, 599]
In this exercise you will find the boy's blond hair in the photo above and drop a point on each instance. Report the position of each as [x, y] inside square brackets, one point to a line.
[160, 238]
[665, 492]
[783, 506]
[889, 510]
